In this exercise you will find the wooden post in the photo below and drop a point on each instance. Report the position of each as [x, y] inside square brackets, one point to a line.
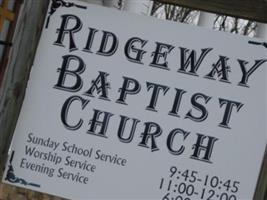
[12, 90]
[261, 189]
[5, 14]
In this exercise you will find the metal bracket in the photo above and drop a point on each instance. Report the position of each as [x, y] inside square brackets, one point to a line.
[258, 43]
[5, 43]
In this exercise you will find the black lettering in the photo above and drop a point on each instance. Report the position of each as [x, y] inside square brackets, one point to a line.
[246, 73]
[159, 54]
[126, 89]
[221, 68]
[65, 112]
[191, 60]
[107, 36]
[95, 122]
[155, 93]
[64, 30]
[199, 107]
[150, 134]
[90, 40]
[64, 72]
[170, 140]
[198, 147]
[229, 105]
[131, 48]
[177, 102]
[121, 130]
[100, 85]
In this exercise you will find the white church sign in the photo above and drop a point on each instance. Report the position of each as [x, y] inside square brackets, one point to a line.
[120, 106]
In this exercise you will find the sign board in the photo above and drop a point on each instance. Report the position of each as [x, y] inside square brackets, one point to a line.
[120, 106]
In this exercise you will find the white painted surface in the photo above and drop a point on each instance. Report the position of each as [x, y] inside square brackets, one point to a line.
[142, 7]
[262, 31]
[242, 146]
[97, 2]
[206, 19]
[111, 3]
